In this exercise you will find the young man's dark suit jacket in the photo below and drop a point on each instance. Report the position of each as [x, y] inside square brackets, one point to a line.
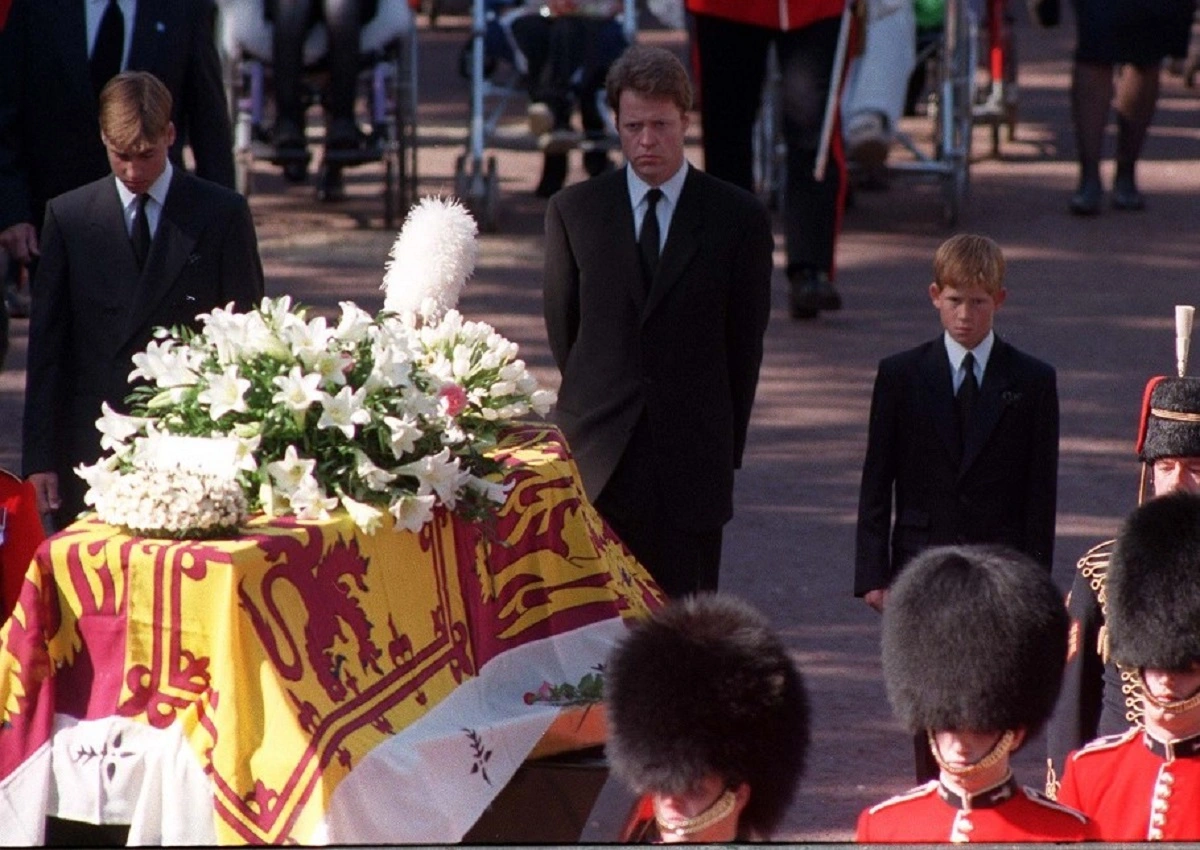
[685, 356]
[92, 309]
[1001, 490]
[49, 119]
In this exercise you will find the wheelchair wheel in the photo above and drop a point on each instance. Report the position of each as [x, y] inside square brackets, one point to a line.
[479, 189]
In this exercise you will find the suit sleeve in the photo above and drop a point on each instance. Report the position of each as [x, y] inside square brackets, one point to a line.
[1041, 500]
[872, 557]
[1076, 716]
[241, 267]
[749, 310]
[560, 297]
[49, 340]
[205, 107]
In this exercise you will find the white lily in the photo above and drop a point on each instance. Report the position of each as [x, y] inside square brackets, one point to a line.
[226, 393]
[412, 512]
[164, 364]
[440, 474]
[115, 428]
[366, 517]
[297, 391]
[344, 411]
[289, 472]
[373, 475]
[404, 433]
[309, 500]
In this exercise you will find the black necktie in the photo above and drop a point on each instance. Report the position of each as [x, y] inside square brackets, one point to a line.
[648, 239]
[968, 390]
[109, 46]
[140, 236]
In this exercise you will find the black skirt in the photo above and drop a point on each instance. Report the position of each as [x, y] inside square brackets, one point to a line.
[1135, 32]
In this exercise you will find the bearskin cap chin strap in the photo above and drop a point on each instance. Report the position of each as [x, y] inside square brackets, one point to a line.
[721, 808]
[1178, 706]
[999, 751]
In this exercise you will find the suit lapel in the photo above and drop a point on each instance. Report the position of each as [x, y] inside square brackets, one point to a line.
[173, 246]
[683, 240]
[149, 31]
[73, 48]
[619, 242]
[109, 242]
[997, 379]
[939, 387]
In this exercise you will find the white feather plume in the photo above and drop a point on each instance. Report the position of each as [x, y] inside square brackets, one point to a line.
[1184, 314]
[431, 259]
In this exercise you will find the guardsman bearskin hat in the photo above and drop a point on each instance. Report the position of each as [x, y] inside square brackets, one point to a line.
[1153, 585]
[1170, 424]
[705, 687]
[975, 639]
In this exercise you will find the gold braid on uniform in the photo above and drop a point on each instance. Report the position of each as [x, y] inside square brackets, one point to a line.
[1174, 415]
[715, 813]
[1093, 566]
[998, 752]
[1178, 706]
[1053, 783]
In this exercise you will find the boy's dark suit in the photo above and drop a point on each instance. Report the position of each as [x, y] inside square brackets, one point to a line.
[92, 310]
[49, 121]
[667, 377]
[1001, 490]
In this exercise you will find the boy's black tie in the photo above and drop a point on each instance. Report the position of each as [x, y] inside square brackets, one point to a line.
[140, 237]
[968, 391]
[109, 46]
[649, 237]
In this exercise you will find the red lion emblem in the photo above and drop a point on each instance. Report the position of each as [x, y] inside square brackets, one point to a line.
[327, 583]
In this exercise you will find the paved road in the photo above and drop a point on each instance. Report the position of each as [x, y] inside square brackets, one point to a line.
[1094, 297]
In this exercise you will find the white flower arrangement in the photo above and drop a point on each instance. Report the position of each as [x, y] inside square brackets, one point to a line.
[387, 413]
[173, 502]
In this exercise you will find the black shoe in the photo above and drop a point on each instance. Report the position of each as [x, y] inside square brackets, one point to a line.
[554, 174]
[331, 186]
[288, 139]
[804, 301]
[1086, 201]
[1125, 195]
[829, 298]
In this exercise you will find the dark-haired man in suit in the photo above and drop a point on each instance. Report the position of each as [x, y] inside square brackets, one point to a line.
[659, 357]
[150, 245]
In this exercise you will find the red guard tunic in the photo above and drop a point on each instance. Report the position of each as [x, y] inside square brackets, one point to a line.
[20, 534]
[1136, 788]
[932, 813]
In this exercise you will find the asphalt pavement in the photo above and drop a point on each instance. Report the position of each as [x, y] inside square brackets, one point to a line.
[1093, 296]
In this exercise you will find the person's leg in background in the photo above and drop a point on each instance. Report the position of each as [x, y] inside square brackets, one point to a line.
[877, 85]
[343, 20]
[732, 61]
[812, 208]
[1136, 99]
[532, 34]
[291, 19]
[604, 41]
[1091, 100]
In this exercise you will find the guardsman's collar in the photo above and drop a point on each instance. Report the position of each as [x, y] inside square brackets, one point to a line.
[988, 798]
[1171, 750]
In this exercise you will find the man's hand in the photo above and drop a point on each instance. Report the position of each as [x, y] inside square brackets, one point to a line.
[20, 242]
[45, 489]
[877, 599]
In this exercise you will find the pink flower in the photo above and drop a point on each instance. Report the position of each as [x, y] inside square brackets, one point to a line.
[452, 399]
